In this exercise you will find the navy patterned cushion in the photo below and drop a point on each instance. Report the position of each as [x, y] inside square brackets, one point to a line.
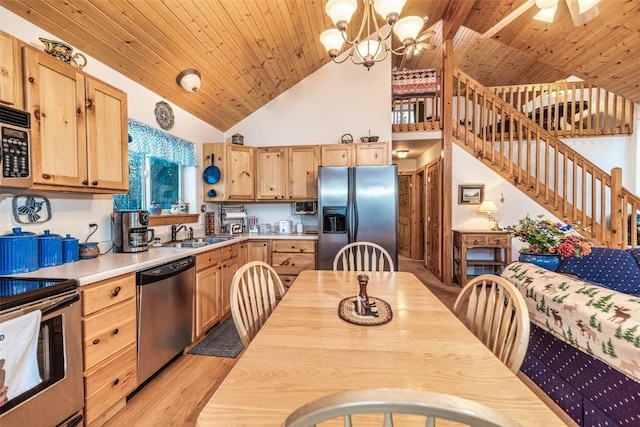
[615, 269]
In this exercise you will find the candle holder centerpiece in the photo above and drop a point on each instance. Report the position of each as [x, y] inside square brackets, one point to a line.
[362, 309]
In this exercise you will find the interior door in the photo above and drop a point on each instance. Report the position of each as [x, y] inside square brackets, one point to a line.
[404, 215]
[433, 256]
[417, 245]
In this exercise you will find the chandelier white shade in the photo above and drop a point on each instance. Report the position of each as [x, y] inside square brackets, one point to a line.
[189, 80]
[402, 154]
[370, 45]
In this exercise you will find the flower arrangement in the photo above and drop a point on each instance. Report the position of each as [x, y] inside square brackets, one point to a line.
[547, 237]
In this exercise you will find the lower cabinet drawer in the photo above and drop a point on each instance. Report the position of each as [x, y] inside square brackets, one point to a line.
[292, 263]
[107, 332]
[109, 383]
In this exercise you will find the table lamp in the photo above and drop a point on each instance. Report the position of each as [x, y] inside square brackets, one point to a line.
[490, 207]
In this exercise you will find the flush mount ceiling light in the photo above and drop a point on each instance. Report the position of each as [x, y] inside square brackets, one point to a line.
[402, 154]
[370, 45]
[189, 80]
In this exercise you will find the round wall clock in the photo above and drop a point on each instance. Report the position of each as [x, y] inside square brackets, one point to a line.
[164, 115]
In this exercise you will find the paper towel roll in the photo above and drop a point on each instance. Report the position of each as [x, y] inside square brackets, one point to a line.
[235, 215]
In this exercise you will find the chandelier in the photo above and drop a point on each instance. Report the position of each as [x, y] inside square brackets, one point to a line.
[375, 46]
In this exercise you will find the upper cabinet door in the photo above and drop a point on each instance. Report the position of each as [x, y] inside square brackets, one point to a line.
[303, 172]
[337, 155]
[55, 97]
[10, 72]
[271, 173]
[240, 172]
[107, 139]
[372, 154]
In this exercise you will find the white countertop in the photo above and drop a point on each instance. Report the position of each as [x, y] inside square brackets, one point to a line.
[106, 266]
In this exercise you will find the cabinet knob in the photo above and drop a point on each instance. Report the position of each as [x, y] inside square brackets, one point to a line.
[46, 176]
[85, 182]
[96, 341]
[79, 112]
[31, 80]
[475, 242]
[116, 381]
[88, 103]
[115, 331]
[36, 113]
[115, 291]
[94, 183]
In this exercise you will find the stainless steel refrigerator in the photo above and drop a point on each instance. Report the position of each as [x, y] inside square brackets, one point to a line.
[356, 204]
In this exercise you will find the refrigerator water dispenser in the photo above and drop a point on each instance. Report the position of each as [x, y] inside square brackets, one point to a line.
[334, 219]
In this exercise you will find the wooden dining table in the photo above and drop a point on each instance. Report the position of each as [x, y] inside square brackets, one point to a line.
[305, 350]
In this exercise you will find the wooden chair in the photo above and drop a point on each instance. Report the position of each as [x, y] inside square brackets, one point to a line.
[363, 256]
[255, 291]
[430, 406]
[497, 314]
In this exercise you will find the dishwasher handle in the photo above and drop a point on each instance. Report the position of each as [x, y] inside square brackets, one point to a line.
[164, 271]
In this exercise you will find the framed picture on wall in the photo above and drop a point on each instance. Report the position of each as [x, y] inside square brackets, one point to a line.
[470, 194]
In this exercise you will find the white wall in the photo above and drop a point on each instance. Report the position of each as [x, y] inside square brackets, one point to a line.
[336, 99]
[72, 212]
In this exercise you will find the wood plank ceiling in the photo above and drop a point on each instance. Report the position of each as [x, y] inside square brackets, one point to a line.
[250, 51]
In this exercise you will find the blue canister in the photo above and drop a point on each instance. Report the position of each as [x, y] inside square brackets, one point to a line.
[18, 252]
[70, 249]
[49, 249]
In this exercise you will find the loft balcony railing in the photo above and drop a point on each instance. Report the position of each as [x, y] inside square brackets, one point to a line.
[533, 159]
[566, 109]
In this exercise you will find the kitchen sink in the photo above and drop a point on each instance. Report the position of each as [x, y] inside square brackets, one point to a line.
[185, 244]
[217, 239]
[198, 242]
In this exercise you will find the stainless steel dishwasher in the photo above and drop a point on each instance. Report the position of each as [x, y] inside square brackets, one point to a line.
[165, 307]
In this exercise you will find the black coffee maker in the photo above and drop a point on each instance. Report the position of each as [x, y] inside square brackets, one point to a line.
[129, 231]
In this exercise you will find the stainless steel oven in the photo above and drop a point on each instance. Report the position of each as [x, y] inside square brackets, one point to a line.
[58, 399]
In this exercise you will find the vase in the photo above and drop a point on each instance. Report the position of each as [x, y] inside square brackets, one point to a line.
[363, 298]
[550, 262]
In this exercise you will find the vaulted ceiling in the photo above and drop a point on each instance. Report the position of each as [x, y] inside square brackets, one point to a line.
[250, 51]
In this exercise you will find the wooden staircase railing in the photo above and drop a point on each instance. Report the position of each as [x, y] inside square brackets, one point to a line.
[542, 166]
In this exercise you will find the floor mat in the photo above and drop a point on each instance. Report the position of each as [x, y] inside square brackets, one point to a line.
[223, 341]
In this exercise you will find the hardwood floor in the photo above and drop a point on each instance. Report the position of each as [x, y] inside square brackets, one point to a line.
[176, 396]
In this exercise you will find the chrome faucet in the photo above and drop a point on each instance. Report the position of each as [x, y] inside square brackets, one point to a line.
[190, 233]
[174, 231]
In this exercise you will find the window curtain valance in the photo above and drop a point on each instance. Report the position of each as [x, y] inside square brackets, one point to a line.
[144, 139]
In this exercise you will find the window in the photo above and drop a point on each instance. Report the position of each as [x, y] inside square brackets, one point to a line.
[157, 163]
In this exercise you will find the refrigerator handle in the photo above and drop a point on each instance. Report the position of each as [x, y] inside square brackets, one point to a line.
[350, 205]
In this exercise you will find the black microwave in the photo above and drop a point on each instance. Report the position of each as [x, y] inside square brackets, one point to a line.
[305, 208]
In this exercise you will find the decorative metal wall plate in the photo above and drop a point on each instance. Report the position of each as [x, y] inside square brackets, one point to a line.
[164, 115]
[31, 209]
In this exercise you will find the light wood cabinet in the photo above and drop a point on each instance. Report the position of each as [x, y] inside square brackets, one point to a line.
[287, 173]
[479, 252]
[260, 250]
[243, 253]
[290, 257]
[357, 154]
[230, 264]
[109, 345]
[303, 172]
[236, 164]
[79, 128]
[10, 72]
[207, 292]
[272, 171]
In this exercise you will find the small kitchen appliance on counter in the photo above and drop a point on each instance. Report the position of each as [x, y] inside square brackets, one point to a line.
[284, 226]
[129, 231]
[253, 224]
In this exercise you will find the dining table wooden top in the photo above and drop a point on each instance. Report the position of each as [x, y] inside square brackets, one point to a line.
[305, 350]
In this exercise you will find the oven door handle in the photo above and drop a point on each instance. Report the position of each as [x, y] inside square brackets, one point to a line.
[62, 303]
